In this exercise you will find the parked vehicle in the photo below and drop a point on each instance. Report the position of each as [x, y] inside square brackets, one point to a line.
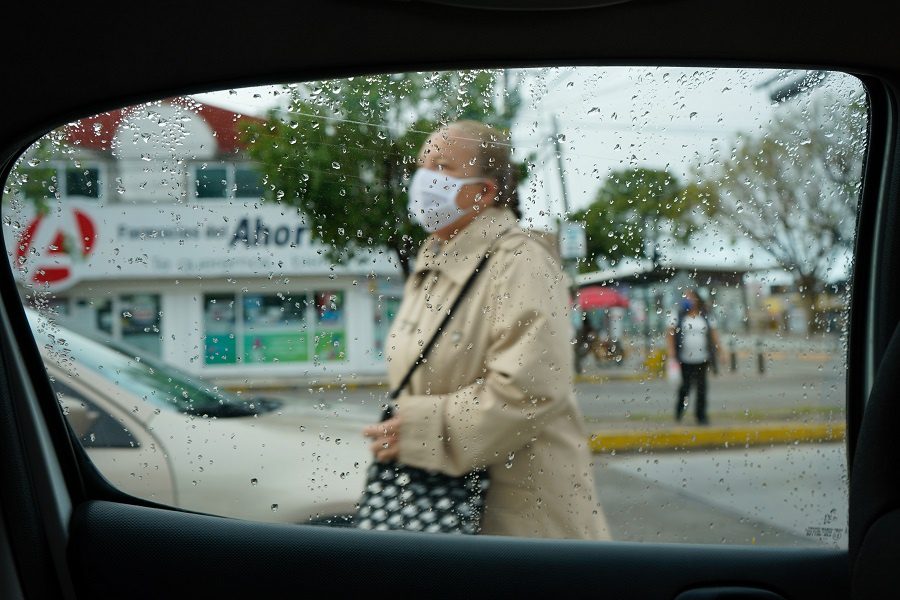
[162, 435]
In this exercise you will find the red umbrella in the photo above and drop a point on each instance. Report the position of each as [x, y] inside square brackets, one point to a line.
[595, 296]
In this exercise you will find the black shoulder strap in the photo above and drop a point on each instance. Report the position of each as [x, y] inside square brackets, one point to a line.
[462, 292]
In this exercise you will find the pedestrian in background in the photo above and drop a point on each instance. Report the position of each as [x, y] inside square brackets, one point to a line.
[495, 393]
[585, 337]
[694, 343]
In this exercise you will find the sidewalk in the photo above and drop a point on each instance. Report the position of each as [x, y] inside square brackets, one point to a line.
[775, 350]
[797, 400]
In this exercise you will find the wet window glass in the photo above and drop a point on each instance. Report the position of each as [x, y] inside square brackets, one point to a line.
[569, 302]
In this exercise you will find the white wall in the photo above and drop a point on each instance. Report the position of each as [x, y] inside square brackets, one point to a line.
[154, 148]
[182, 327]
[361, 330]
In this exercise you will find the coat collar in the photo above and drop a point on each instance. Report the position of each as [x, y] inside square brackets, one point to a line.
[459, 255]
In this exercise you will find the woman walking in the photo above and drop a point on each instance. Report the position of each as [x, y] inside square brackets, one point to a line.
[495, 391]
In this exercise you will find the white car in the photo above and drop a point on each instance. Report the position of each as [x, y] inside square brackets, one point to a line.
[159, 434]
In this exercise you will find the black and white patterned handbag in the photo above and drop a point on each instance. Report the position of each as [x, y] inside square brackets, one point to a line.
[401, 497]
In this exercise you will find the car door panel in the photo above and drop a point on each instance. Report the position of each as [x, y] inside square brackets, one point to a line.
[271, 560]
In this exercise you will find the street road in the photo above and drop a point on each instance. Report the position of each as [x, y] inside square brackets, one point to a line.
[791, 387]
[784, 495]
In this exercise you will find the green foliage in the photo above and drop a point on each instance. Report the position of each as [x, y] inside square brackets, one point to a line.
[632, 211]
[343, 150]
[38, 184]
[793, 189]
[31, 180]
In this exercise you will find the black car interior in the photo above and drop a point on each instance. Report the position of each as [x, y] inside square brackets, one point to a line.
[66, 533]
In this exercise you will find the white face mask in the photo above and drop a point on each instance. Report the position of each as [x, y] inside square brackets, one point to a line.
[432, 198]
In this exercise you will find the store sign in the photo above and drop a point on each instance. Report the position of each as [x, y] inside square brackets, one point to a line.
[51, 246]
[79, 240]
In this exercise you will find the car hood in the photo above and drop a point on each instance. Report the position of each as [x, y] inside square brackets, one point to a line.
[275, 467]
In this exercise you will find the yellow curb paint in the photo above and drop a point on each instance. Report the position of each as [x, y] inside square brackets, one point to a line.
[614, 377]
[717, 437]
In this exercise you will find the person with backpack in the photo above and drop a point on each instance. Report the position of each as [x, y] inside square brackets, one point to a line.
[694, 343]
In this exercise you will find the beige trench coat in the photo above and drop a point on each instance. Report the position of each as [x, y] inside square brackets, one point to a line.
[496, 389]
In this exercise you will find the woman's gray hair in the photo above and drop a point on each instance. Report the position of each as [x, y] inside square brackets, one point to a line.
[494, 160]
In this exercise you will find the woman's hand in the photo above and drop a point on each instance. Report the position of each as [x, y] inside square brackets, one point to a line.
[385, 439]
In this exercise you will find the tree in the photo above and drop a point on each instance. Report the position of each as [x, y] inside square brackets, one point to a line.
[793, 190]
[342, 151]
[634, 210]
[30, 179]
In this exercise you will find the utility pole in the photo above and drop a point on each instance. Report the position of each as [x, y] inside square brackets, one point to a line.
[559, 164]
[570, 264]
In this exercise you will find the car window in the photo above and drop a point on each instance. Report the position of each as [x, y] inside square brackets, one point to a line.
[155, 383]
[572, 302]
[94, 426]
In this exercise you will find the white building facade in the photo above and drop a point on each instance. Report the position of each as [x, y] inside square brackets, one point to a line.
[147, 227]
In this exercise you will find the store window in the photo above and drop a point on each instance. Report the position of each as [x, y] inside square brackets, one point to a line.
[84, 183]
[227, 181]
[58, 306]
[247, 183]
[211, 182]
[254, 328]
[133, 319]
[275, 328]
[140, 322]
[103, 320]
[330, 339]
[218, 325]
[385, 311]
[64, 180]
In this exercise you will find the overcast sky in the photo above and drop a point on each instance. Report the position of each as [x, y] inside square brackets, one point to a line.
[614, 118]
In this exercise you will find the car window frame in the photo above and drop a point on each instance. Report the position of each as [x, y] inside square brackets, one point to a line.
[82, 482]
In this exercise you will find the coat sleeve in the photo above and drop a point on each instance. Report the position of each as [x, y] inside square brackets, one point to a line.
[528, 374]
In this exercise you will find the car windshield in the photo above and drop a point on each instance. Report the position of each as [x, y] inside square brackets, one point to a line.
[161, 385]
